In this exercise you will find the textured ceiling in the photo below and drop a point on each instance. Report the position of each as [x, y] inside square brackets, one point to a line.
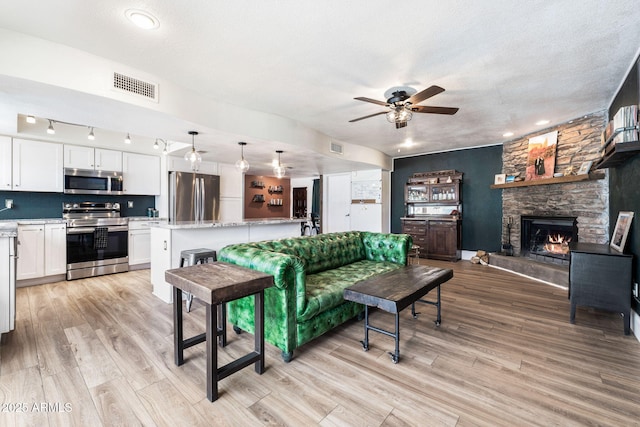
[505, 64]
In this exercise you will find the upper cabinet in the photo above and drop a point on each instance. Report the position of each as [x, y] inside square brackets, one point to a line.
[5, 163]
[141, 174]
[78, 157]
[37, 166]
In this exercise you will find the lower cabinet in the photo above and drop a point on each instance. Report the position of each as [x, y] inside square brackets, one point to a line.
[438, 239]
[139, 244]
[42, 250]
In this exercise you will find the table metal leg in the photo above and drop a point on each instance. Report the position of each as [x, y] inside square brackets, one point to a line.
[212, 352]
[222, 325]
[438, 305]
[365, 343]
[395, 357]
[178, 343]
[259, 330]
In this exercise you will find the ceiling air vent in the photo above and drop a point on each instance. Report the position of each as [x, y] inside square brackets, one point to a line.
[135, 86]
[335, 148]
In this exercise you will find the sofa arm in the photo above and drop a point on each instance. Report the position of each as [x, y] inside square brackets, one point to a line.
[387, 247]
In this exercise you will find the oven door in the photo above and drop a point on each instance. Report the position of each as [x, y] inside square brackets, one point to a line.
[91, 254]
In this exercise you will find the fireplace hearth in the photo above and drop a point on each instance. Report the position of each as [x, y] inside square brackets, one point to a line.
[547, 238]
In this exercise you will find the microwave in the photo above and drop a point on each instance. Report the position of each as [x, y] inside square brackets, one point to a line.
[80, 181]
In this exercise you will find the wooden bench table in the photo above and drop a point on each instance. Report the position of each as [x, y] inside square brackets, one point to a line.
[393, 292]
[217, 283]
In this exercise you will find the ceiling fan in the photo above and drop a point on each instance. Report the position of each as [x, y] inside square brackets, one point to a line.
[402, 105]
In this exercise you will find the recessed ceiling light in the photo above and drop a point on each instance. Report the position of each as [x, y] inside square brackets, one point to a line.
[142, 19]
[542, 122]
[507, 134]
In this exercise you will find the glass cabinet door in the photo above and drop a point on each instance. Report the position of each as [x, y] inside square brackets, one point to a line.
[443, 193]
[417, 193]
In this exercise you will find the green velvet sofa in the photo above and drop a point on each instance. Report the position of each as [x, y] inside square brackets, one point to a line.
[310, 274]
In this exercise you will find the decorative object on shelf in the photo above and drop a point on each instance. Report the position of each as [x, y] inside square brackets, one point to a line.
[620, 233]
[500, 178]
[276, 189]
[621, 138]
[257, 184]
[279, 170]
[585, 168]
[258, 198]
[569, 170]
[541, 158]
[510, 178]
[193, 157]
[242, 165]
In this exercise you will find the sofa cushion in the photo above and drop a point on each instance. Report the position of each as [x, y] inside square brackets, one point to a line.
[325, 289]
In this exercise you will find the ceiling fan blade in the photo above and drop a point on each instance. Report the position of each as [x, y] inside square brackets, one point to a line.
[433, 110]
[427, 93]
[366, 117]
[373, 101]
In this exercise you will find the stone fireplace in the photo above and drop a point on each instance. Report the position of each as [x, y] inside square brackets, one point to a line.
[585, 203]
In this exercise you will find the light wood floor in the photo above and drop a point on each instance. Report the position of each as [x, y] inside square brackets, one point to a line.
[100, 352]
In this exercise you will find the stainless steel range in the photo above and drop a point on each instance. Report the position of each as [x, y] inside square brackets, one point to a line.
[97, 239]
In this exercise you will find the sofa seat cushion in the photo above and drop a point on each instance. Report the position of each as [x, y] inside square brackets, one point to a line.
[325, 289]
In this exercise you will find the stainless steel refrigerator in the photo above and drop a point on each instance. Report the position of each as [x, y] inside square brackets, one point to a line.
[194, 197]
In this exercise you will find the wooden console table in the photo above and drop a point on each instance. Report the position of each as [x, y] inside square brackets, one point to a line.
[600, 277]
[214, 284]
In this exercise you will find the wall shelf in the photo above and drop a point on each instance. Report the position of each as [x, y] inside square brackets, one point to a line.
[619, 154]
[560, 180]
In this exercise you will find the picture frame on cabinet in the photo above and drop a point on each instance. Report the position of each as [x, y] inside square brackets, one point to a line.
[500, 178]
[620, 233]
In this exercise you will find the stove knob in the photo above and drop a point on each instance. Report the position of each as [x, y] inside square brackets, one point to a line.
[67, 205]
[107, 205]
[76, 206]
[116, 206]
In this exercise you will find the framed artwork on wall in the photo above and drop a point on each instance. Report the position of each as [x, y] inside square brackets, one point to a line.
[541, 156]
[620, 233]
[500, 178]
[585, 168]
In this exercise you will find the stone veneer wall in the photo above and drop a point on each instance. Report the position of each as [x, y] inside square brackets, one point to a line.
[578, 141]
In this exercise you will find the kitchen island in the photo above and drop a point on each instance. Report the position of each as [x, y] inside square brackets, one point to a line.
[168, 239]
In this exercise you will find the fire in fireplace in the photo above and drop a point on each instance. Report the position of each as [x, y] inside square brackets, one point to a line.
[547, 238]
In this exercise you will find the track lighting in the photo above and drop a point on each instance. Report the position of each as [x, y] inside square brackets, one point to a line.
[279, 171]
[193, 156]
[127, 140]
[156, 146]
[30, 119]
[50, 129]
[242, 164]
[91, 136]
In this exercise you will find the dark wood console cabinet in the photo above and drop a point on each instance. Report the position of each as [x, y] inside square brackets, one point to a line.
[438, 239]
[600, 277]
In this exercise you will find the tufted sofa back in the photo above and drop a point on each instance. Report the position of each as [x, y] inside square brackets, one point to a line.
[321, 252]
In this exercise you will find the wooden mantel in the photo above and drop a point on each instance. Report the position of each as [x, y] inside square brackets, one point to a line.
[560, 180]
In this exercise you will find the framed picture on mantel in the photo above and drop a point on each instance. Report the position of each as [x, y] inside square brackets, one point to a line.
[620, 233]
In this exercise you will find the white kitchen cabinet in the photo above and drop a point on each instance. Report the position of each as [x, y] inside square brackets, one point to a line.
[78, 157]
[139, 243]
[42, 250]
[55, 249]
[141, 174]
[5, 163]
[30, 252]
[37, 166]
[7, 285]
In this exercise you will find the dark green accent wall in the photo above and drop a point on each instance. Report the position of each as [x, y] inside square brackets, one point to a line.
[481, 206]
[30, 205]
[624, 191]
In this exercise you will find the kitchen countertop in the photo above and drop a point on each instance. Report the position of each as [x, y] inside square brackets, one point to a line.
[8, 228]
[216, 224]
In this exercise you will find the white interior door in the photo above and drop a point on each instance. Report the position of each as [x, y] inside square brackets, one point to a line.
[337, 206]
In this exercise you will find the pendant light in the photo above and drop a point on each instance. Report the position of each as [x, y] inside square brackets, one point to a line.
[193, 156]
[242, 165]
[279, 170]
[50, 129]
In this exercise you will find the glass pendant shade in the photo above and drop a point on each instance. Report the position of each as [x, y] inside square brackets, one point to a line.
[242, 165]
[193, 157]
[279, 171]
[400, 114]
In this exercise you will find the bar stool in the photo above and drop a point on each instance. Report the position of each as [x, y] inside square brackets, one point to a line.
[414, 254]
[193, 257]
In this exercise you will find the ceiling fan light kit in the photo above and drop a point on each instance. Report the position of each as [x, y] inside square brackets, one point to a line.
[402, 105]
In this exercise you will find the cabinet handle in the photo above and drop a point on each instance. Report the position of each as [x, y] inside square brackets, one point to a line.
[165, 245]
